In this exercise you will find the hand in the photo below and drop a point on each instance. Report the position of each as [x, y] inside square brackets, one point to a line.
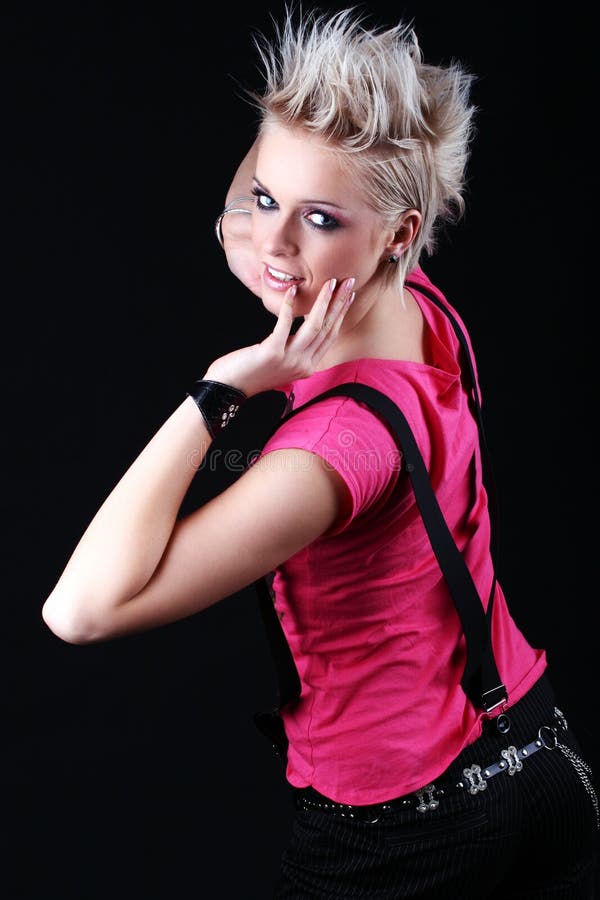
[282, 357]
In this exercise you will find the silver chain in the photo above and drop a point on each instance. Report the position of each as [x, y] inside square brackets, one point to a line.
[585, 773]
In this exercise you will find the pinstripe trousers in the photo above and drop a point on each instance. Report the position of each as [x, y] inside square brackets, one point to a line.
[532, 835]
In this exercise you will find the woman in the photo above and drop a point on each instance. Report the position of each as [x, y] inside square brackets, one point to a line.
[405, 786]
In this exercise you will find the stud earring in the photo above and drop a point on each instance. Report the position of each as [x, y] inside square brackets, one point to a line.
[393, 258]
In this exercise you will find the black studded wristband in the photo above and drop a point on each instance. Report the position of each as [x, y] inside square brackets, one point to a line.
[217, 402]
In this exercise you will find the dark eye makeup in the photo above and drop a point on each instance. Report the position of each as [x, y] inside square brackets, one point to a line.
[324, 221]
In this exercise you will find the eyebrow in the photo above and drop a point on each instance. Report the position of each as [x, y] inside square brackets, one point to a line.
[316, 202]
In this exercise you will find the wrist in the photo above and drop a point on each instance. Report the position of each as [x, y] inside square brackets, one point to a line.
[218, 403]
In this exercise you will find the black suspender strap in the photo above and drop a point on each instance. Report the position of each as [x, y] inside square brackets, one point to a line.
[480, 681]
[488, 475]
[288, 684]
[288, 680]
[496, 696]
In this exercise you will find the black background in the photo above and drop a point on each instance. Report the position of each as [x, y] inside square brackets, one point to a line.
[132, 768]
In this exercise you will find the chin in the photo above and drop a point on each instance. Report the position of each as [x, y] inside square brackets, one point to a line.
[271, 304]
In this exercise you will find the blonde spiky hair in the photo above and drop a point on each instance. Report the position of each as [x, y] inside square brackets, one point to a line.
[404, 125]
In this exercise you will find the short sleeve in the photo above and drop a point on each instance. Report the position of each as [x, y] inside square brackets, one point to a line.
[351, 439]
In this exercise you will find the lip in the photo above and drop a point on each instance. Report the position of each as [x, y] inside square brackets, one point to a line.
[275, 283]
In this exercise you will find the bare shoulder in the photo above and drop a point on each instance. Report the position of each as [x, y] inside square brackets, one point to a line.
[283, 502]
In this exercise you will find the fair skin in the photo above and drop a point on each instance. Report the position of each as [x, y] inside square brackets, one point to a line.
[138, 564]
[378, 325]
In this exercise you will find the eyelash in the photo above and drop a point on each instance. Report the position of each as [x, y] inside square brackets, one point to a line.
[331, 225]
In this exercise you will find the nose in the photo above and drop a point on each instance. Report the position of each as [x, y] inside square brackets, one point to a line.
[279, 237]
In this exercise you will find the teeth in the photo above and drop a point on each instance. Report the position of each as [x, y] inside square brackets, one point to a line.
[281, 276]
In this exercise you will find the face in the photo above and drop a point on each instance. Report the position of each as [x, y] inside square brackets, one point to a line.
[311, 222]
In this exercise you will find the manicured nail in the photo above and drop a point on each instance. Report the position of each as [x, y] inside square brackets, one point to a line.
[332, 285]
[350, 284]
[351, 298]
[292, 292]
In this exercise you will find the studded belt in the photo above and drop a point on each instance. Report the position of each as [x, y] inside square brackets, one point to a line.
[474, 779]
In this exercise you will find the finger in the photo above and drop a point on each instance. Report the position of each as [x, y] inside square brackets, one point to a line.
[285, 319]
[330, 334]
[335, 312]
[313, 322]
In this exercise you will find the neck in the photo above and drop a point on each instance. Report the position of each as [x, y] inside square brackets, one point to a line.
[373, 326]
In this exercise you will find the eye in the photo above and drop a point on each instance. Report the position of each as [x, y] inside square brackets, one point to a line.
[322, 220]
[263, 201]
[316, 218]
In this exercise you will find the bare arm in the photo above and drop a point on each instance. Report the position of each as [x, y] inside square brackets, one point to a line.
[276, 507]
[136, 566]
[123, 544]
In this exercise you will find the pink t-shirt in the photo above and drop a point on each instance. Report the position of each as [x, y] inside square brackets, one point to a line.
[374, 633]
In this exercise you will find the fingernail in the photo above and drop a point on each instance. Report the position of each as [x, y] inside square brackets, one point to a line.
[350, 284]
[351, 298]
[332, 285]
[292, 291]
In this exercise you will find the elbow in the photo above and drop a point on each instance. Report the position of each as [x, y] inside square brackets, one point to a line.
[62, 620]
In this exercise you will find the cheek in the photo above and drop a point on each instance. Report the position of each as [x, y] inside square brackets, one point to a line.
[365, 260]
[331, 256]
[346, 259]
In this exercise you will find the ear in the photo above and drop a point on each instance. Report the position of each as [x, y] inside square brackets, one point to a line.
[406, 230]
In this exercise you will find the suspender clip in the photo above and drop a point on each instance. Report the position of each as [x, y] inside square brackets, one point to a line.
[494, 698]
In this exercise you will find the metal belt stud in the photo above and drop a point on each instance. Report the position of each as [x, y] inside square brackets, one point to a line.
[426, 802]
[512, 758]
[473, 776]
